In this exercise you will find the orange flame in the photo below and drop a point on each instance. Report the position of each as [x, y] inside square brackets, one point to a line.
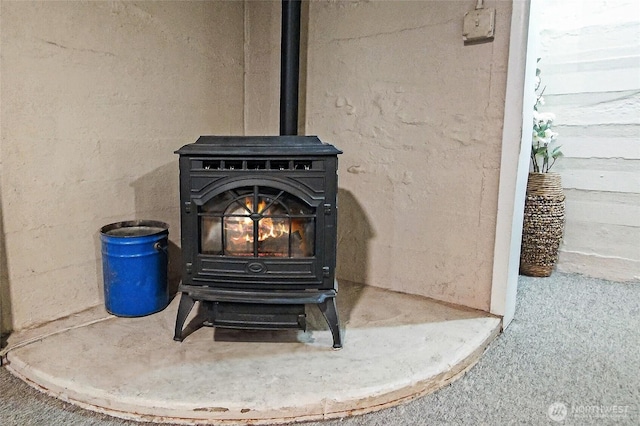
[240, 228]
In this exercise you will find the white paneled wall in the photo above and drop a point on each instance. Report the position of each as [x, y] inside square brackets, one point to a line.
[590, 65]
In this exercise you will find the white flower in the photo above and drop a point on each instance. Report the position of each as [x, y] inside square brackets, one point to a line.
[540, 139]
[536, 118]
[543, 155]
[550, 134]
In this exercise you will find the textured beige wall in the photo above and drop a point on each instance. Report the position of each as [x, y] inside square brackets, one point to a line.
[96, 96]
[5, 296]
[90, 89]
[419, 117]
[262, 67]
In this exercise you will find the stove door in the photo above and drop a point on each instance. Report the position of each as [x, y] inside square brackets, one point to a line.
[250, 236]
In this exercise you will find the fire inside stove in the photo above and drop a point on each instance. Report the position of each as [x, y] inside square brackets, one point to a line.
[260, 222]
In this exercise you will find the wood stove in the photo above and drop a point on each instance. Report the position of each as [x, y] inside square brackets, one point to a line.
[258, 220]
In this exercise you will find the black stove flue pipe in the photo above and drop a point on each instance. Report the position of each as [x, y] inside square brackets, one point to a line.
[289, 66]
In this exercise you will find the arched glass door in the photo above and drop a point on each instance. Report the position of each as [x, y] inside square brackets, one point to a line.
[257, 221]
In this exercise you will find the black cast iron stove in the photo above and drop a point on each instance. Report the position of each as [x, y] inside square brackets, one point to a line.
[258, 231]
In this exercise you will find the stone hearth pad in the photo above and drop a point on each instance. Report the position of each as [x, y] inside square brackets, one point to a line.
[396, 347]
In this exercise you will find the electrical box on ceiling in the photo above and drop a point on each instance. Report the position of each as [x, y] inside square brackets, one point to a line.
[479, 25]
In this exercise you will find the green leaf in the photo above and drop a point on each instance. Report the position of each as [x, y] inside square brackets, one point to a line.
[541, 151]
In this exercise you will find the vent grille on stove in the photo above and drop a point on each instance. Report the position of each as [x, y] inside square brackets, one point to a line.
[239, 164]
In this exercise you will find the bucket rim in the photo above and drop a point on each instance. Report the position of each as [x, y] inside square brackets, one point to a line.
[134, 223]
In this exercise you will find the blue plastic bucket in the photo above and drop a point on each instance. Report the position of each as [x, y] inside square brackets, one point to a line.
[134, 265]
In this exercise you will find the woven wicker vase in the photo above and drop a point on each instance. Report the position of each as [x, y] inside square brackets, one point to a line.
[543, 224]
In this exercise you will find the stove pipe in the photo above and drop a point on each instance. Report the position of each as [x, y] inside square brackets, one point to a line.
[289, 67]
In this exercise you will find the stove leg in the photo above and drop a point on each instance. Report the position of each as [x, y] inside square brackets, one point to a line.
[330, 312]
[186, 304]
